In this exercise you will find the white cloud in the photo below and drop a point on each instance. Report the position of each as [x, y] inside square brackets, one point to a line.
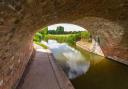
[67, 27]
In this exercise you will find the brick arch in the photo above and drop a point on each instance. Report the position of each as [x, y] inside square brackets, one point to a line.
[20, 19]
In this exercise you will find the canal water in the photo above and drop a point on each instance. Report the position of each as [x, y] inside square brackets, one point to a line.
[87, 70]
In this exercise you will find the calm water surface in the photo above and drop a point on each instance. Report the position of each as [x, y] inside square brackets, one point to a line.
[87, 70]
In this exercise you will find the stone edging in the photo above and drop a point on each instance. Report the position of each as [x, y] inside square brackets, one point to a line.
[123, 61]
[62, 79]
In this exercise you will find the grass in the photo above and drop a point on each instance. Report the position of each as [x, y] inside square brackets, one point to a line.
[68, 38]
[42, 45]
[61, 34]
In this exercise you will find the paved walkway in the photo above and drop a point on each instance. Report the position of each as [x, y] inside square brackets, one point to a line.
[44, 73]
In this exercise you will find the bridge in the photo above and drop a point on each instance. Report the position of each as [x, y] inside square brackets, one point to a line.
[20, 19]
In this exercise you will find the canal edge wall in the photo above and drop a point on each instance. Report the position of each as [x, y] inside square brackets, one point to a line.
[63, 81]
[122, 61]
[92, 50]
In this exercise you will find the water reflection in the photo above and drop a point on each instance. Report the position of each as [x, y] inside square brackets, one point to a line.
[87, 70]
[71, 60]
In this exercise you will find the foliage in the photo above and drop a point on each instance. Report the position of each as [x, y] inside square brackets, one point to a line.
[59, 30]
[61, 36]
[44, 32]
[85, 36]
[38, 37]
[69, 38]
[52, 32]
[41, 34]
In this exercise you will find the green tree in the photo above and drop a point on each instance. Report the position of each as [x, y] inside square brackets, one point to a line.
[60, 30]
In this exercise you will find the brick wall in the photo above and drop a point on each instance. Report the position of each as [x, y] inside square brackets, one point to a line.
[15, 53]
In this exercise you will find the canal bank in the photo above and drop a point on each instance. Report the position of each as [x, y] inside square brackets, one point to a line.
[90, 46]
[95, 48]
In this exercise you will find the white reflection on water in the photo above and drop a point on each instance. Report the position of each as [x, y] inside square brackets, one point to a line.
[71, 60]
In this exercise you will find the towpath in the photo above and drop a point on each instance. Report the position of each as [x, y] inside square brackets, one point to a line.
[44, 73]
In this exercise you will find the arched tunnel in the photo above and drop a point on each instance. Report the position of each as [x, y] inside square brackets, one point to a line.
[20, 19]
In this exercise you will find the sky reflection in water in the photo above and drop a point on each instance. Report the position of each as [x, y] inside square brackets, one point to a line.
[71, 60]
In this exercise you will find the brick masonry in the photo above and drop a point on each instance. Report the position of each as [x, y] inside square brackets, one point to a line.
[20, 19]
[15, 56]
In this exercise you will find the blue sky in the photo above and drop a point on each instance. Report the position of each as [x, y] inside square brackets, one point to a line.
[67, 27]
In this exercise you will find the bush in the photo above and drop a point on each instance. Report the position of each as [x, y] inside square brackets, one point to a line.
[86, 36]
[38, 37]
[71, 40]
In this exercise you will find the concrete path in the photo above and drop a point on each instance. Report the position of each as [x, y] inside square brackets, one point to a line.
[44, 74]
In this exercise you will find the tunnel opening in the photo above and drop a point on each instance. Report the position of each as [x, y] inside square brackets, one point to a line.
[82, 60]
[71, 34]
[64, 40]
